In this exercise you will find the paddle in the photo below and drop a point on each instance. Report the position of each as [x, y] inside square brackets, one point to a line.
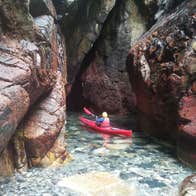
[88, 112]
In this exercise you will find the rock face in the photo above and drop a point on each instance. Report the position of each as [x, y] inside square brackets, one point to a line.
[186, 143]
[159, 8]
[15, 21]
[32, 78]
[40, 8]
[97, 183]
[102, 81]
[105, 83]
[161, 68]
[45, 123]
[82, 25]
[6, 162]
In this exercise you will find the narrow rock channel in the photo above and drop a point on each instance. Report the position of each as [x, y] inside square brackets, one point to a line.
[131, 64]
[144, 165]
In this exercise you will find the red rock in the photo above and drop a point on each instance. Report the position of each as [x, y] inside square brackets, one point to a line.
[45, 123]
[29, 62]
[161, 66]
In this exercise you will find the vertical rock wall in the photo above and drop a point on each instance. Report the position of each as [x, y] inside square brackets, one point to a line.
[105, 83]
[161, 71]
[81, 26]
[100, 79]
[32, 78]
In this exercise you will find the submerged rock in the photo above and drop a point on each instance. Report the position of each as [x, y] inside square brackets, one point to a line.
[97, 183]
[32, 79]
[188, 186]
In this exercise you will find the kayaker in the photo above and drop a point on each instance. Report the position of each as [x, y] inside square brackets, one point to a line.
[103, 121]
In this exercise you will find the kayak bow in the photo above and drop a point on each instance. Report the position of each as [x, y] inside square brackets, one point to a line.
[106, 130]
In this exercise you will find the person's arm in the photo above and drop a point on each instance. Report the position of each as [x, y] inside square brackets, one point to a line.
[100, 119]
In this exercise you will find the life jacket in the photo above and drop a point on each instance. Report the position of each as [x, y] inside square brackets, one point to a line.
[106, 122]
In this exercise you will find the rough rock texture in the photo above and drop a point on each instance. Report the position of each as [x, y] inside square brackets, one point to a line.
[62, 6]
[156, 9]
[42, 7]
[16, 19]
[45, 122]
[186, 144]
[188, 186]
[161, 68]
[105, 83]
[32, 79]
[22, 82]
[102, 81]
[6, 162]
[81, 26]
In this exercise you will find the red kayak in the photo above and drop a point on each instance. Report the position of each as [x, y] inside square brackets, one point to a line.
[106, 130]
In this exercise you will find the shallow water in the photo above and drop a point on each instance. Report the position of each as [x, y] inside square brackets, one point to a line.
[148, 164]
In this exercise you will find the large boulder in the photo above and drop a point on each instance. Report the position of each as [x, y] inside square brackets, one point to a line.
[21, 83]
[188, 186]
[161, 69]
[32, 78]
[45, 123]
[97, 183]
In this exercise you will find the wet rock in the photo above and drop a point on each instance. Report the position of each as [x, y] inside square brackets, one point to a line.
[58, 154]
[97, 183]
[188, 186]
[19, 156]
[29, 62]
[42, 7]
[62, 58]
[21, 84]
[16, 18]
[45, 123]
[103, 81]
[13, 106]
[49, 30]
[157, 68]
[6, 162]
[165, 7]
[193, 45]
[158, 65]
[81, 26]
[186, 143]
[61, 6]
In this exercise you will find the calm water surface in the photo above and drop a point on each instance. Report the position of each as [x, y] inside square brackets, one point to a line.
[148, 164]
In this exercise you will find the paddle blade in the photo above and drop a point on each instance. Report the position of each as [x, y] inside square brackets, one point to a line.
[87, 111]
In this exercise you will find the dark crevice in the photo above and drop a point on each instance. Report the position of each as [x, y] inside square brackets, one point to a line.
[4, 21]
[148, 12]
[75, 101]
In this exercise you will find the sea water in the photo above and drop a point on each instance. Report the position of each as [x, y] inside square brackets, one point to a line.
[148, 164]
